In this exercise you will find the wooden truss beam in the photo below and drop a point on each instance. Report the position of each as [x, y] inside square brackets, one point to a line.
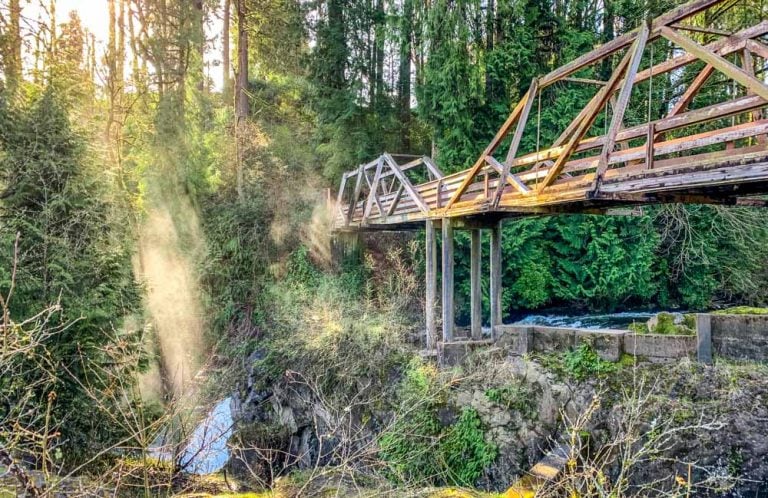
[621, 105]
[682, 12]
[511, 120]
[516, 138]
[372, 194]
[406, 183]
[722, 47]
[757, 48]
[586, 123]
[718, 62]
[355, 194]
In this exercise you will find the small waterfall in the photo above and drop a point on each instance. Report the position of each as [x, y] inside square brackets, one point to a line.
[206, 451]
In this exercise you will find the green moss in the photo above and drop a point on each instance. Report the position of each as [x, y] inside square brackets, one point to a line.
[584, 362]
[665, 325]
[628, 360]
[742, 310]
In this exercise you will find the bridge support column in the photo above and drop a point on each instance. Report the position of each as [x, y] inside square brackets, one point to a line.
[448, 322]
[495, 295]
[476, 295]
[431, 274]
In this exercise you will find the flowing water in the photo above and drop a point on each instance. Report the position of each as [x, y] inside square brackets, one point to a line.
[207, 449]
[588, 321]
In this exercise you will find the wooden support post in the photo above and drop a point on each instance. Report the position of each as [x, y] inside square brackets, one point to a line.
[476, 295]
[748, 65]
[649, 152]
[431, 274]
[448, 322]
[495, 295]
[704, 338]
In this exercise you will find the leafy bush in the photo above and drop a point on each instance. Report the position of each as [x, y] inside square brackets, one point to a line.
[417, 448]
[409, 445]
[584, 362]
[465, 451]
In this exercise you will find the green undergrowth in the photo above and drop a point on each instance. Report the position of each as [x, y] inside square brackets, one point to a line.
[328, 326]
[418, 448]
[579, 363]
[742, 310]
[515, 396]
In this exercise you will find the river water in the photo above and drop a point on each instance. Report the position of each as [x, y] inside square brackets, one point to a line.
[589, 321]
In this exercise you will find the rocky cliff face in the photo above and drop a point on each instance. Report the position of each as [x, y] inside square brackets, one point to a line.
[704, 427]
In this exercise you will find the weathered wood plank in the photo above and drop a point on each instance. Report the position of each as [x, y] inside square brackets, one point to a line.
[511, 179]
[431, 284]
[355, 194]
[512, 119]
[495, 269]
[416, 196]
[372, 196]
[594, 108]
[432, 167]
[673, 16]
[722, 47]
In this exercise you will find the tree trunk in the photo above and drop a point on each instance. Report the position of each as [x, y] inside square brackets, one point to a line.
[137, 78]
[13, 57]
[120, 54]
[51, 62]
[225, 53]
[404, 73]
[380, 21]
[199, 20]
[241, 97]
[112, 67]
[489, 34]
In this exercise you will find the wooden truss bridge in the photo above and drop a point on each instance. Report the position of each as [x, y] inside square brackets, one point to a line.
[716, 154]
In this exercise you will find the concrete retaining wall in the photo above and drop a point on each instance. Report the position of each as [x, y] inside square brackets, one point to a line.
[660, 347]
[740, 337]
[608, 343]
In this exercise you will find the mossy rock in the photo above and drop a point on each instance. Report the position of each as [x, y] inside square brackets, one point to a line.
[665, 323]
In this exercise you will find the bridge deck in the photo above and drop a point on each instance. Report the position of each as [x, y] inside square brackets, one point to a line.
[713, 154]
